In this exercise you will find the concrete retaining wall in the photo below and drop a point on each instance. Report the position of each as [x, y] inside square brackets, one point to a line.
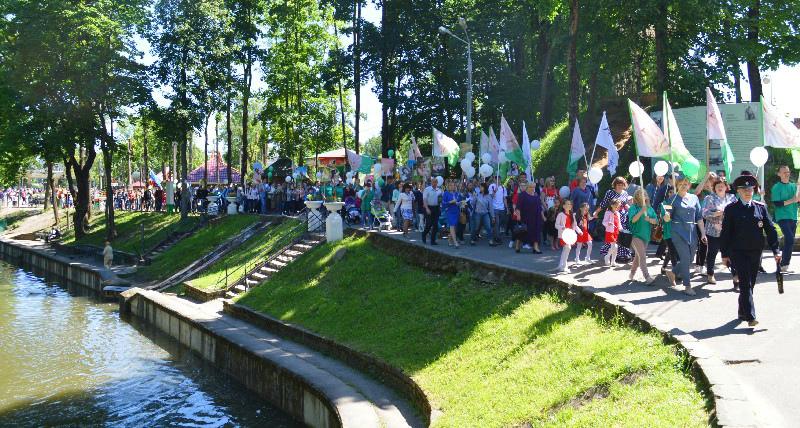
[287, 391]
[50, 266]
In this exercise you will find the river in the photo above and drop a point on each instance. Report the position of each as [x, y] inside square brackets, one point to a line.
[67, 359]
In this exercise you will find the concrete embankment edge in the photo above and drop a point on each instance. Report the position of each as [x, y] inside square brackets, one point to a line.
[292, 393]
[731, 406]
[377, 368]
[51, 266]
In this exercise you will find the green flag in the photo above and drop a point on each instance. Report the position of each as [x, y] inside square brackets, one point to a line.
[509, 145]
[445, 147]
[690, 166]
[577, 151]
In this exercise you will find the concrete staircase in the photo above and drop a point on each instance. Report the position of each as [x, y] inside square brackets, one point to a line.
[167, 244]
[275, 263]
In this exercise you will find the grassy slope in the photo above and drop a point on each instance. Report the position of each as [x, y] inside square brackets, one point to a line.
[157, 226]
[272, 240]
[197, 245]
[487, 356]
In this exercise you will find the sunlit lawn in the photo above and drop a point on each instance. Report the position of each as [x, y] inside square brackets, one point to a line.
[486, 356]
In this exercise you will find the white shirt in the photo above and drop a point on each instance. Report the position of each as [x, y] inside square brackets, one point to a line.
[499, 194]
[406, 201]
[431, 196]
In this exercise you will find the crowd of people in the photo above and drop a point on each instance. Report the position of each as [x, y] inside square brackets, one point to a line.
[685, 223]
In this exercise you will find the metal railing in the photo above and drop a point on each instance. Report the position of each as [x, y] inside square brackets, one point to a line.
[308, 224]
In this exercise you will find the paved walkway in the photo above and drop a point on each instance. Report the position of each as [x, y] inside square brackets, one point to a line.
[764, 359]
[363, 401]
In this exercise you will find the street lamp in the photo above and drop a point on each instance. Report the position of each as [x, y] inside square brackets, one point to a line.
[444, 30]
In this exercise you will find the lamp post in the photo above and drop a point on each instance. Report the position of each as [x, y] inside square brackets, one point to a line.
[444, 30]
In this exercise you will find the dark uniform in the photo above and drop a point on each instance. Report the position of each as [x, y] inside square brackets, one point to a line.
[742, 240]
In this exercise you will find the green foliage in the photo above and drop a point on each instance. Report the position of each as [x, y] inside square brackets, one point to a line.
[486, 356]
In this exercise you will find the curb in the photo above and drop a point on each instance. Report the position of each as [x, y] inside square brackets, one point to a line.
[731, 405]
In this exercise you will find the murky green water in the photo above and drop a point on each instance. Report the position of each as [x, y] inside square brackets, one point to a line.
[69, 360]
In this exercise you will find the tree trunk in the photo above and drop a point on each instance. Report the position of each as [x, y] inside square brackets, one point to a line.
[205, 149]
[245, 118]
[753, 73]
[79, 187]
[661, 50]
[111, 232]
[572, 59]
[230, 137]
[130, 165]
[737, 82]
[52, 186]
[357, 72]
[545, 50]
[47, 192]
[146, 176]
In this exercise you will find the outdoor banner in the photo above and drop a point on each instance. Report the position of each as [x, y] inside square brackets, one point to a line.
[494, 147]
[354, 159]
[742, 126]
[424, 167]
[365, 164]
[437, 167]
[387, 166]
[577, 151]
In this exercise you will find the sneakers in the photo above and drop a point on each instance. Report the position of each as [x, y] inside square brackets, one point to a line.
[588, 261]
[752, 323]
[698, 269]
[785, 269]
[649, 280]
[510, 244]
[711, 279]
[689, 292]
[526, 247]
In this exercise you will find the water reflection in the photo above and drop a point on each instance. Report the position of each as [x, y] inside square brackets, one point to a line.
[69, 360]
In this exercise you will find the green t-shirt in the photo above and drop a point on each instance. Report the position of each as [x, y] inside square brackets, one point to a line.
[366, 199]
[666, 225]
[641, 228]
[784, 192]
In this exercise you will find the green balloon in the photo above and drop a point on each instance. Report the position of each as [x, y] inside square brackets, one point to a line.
[391, 152]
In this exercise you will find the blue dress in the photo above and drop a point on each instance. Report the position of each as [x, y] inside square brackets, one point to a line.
[452, 210]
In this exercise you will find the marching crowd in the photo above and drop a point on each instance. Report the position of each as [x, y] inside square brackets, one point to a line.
[691, 226]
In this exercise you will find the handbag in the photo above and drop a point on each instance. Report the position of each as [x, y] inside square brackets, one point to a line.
[624, 239]
[519, 230]
[657, 234]
[462, 217]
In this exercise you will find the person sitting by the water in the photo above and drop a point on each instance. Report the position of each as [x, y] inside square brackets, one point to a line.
[54, 235]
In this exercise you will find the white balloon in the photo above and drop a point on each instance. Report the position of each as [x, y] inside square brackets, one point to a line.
[486, 157]
[569, 236]
[535, 144]
[564, 192]
[486, 170]
[349, 174]
[470, 156]
[661, 168]
[439, 180]
[759, 156]
[465, 163]
[470, 171]
[288, 178]
[502, 157]
[636, 169]
[595, 175]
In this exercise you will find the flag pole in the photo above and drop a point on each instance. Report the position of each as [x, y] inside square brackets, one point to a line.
[763, 136]
[664, 120]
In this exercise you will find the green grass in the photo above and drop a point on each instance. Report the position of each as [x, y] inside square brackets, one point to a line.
[157, 226]
[486, 356]
[273, 239]
[202, 242]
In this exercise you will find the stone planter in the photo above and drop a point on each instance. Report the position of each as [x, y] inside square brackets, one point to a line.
[314, 216]
[232, 205]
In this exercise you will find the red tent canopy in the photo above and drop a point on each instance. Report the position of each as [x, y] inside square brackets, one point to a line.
[217, 171]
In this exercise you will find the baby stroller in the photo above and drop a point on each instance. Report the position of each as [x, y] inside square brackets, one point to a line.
[352, 215]
[380, 215]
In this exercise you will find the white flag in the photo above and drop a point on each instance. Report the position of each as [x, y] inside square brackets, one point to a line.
[716, 130]
[650, 141]
[494, 147]
[526, 150]
[445, 147]
[413, 151]
[484, 144]
[778, 130]
[605, 140]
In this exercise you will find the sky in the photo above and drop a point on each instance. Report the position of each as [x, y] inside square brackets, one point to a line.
[783, 89]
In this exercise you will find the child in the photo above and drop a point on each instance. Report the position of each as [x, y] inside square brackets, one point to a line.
[641, 217]
[565, 220]
[613, 224]
[582, 219]
[550, 224]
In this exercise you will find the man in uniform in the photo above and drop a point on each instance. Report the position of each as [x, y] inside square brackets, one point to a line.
[742, 239]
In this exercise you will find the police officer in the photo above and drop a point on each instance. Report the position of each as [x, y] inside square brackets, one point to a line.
[742, 239]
